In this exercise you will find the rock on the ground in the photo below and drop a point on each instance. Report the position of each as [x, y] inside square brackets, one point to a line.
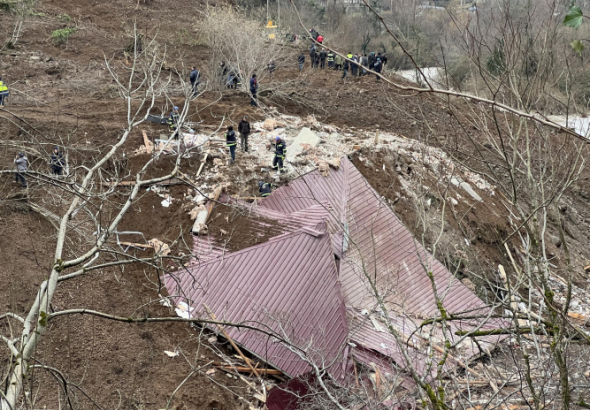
[307, 139]
[269, 124]
[311, 122]
[467, 188]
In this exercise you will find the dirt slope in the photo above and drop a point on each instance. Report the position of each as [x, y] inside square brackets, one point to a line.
[65, 94]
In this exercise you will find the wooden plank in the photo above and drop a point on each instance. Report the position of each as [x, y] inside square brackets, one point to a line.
[137, 245]
[202, 164]
[236, 348]
[578, 316]
[249, 370]
[170, 182]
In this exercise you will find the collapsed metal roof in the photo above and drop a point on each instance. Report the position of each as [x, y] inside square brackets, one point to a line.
[322, 280]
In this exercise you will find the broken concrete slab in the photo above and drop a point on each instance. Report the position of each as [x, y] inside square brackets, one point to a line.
[306, 139]
[467, 188]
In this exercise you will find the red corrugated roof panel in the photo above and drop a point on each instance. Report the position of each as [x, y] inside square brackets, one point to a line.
[376, 243]
[293, 279]
[287, 285]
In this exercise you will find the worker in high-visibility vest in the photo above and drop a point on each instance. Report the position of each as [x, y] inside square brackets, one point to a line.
[265, 188]
[3, 92]
[330, 60]
[173, 122]
[231, 141]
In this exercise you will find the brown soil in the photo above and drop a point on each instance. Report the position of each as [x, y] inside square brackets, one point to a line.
[238, 229]
[62, 94]
[482, 224]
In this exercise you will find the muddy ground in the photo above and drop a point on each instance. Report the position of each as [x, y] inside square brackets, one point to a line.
[63, 95]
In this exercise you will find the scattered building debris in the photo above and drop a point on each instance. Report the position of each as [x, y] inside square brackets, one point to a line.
[305, 141]
[333, 208]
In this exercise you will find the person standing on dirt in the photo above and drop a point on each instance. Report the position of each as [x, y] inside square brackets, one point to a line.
[194, 78]
[231, 141]
[173, 121]
[365, 64]
[57, 162]
[301, 61]
[265, 188]
[351, 64]
[253, 90]
[323, 56]
[339, 61]
[280, 153]
[359, 66]
[223, 71]
[377, 67]
[330, 60]
[3, 92]
[21, 163]
[384, 59]
[244, 130]
[345, 66]
[371, 60]
[312, 55]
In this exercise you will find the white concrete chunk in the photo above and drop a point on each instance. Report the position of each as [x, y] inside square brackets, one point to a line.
[306, 138]
[467, 188]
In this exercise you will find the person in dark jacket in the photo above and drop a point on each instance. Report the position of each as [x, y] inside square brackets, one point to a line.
[21, 163]
[371, 59]
[244, 130]
[312, 55]
[57, 162]
[330, 60]
[365, 64]
[384, 59]
[353, 65]
[301, 61]
[231, 141]
[377, 67]
[314, 33]
[173, 122]
[194, 78]
[345, 66]
[253, 90]
[265, 188]
[323, 56]
[280, 153]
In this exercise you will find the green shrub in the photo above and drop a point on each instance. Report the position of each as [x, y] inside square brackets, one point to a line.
[6, 6]
[64, 18]
[61, 36]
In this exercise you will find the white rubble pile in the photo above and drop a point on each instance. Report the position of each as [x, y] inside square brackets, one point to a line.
[313, 145]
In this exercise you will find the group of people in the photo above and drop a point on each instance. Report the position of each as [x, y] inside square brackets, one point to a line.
[21, 163]
[244, 129]
[233, 79]
[357, 64]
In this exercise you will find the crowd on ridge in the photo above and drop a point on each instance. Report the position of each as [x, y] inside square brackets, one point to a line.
[357, 64]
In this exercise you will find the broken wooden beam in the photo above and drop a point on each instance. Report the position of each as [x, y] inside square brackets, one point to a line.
[236, 348]
[136, 245]
[170, 182]
[242, 369]
[202, 164]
